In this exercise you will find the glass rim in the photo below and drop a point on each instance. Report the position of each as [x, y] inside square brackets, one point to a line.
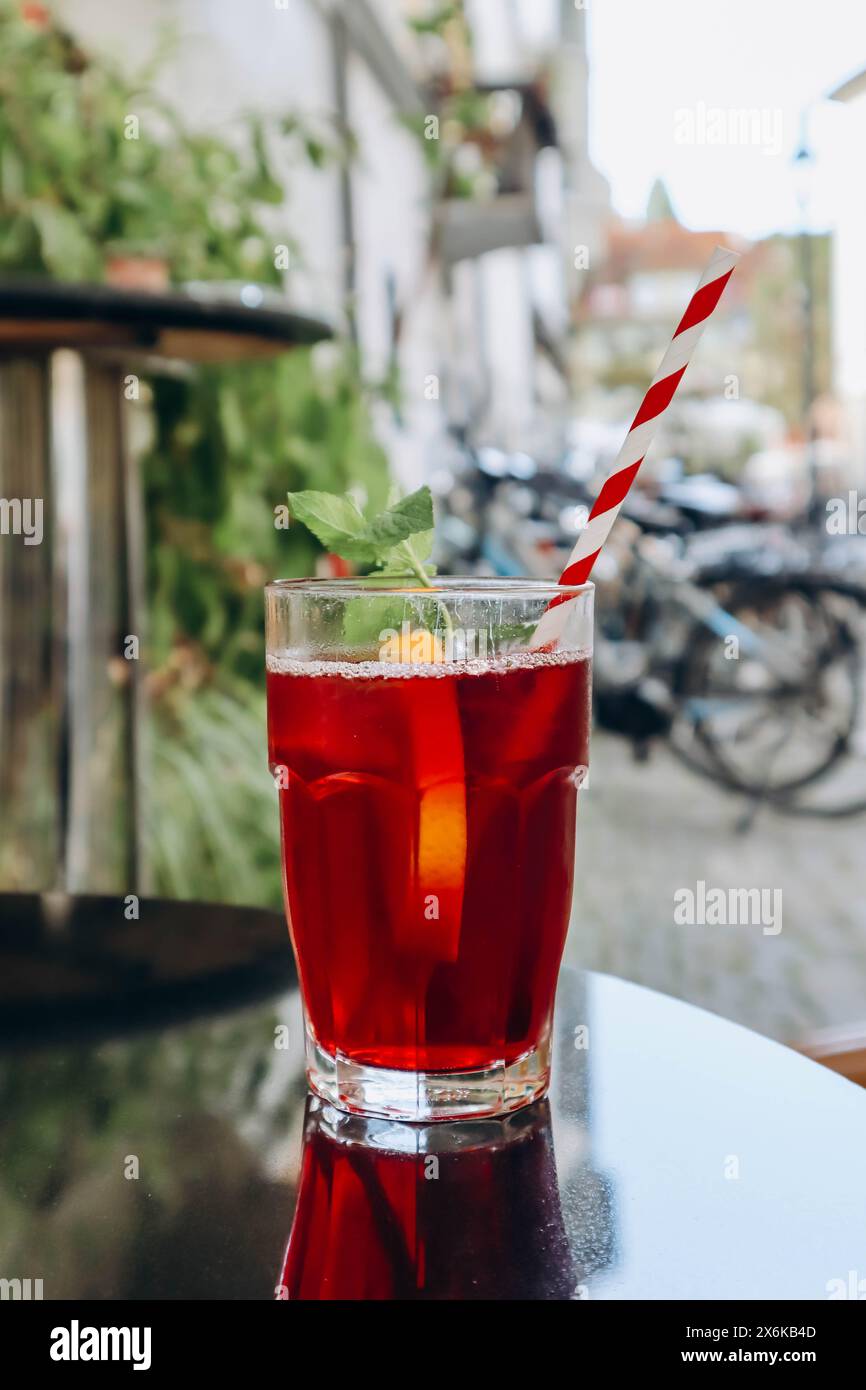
[471, 586]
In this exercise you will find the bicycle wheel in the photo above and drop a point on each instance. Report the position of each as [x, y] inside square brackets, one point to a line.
[771, 716]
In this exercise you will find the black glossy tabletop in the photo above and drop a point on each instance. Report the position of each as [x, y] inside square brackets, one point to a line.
[157, 1142]
[43, 314]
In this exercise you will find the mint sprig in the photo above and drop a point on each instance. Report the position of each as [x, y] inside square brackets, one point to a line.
[397, 541]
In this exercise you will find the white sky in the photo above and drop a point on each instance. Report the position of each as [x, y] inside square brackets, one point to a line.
[651, 58]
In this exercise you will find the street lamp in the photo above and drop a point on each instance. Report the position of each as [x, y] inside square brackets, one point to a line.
[804, 165]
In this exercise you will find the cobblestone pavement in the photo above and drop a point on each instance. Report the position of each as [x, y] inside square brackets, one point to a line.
[646, 830]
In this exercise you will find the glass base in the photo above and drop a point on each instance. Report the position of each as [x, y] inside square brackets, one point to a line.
[428, 1096]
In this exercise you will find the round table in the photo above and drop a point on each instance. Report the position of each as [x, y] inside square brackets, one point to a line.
[157, 1140]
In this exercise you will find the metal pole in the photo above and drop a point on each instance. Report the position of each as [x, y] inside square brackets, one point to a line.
[803, 159]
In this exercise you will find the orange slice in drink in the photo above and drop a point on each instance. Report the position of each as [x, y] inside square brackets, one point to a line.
[436, 903]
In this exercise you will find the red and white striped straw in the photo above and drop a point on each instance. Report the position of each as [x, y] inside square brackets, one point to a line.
[630, 457]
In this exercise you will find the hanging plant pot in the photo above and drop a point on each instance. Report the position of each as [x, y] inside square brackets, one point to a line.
[137, 273]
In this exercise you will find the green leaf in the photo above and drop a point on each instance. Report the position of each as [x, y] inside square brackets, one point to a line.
[407, 558]
[67, 251]
[364, 619]
[333, 520]
[422, 544]
[398, 539]
[231, 419]
[411, 516]
[317, 153]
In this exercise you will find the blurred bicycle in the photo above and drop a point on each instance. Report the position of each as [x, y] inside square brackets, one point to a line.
[721, 637]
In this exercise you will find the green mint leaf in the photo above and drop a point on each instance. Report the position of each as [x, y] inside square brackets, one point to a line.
[336, 521]
[397, 541]
[408, 517]
[422, 544]
[364, 620]
[409, 556]
[328, 516]
[409, 523]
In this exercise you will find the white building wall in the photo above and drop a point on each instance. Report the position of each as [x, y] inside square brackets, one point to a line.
[392, 216]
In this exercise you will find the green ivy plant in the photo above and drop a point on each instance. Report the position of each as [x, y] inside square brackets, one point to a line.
[93, 164]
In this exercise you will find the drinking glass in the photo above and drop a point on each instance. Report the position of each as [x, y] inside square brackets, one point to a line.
[427, 753]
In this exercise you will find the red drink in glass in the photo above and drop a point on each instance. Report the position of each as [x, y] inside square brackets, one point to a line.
[428, 819]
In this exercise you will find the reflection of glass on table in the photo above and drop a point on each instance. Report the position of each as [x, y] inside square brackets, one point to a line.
[394, 1211]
